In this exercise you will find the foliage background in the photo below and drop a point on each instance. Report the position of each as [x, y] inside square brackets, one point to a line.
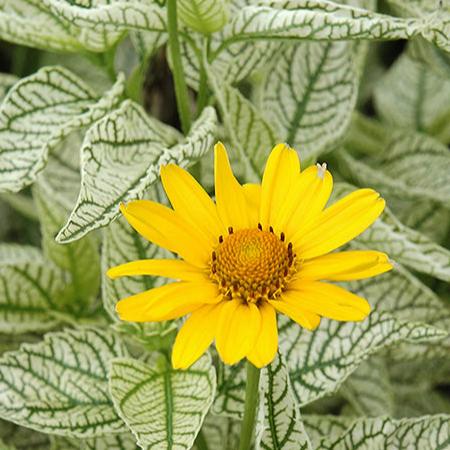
[88, 115]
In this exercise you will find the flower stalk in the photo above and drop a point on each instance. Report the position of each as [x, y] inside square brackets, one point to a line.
[251, 401]
[181, 91]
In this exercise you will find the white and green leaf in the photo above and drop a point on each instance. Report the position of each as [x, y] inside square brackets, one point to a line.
[320, 427]
[60, 385]
[309, 94]
[282, 427]
[79, 259]
[38, 113]
[121, 158]
[369, 390]
[30, 289]
[411, 95]
[163, 408]
[204, 16]
[431, 432]
[321, 361]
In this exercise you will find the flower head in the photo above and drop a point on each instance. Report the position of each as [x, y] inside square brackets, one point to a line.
[258, 250]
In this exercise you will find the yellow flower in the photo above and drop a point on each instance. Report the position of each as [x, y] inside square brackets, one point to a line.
[258, 250]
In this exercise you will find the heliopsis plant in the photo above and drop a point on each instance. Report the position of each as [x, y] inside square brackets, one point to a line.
[259, 249]
[158, 291]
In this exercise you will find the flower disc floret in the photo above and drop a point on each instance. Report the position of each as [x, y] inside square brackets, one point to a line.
[252, 264]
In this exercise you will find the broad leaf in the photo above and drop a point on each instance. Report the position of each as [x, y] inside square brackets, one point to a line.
[162, 407]
[60, 385]
[410, 166]
[320, 427]
[30, 289]
[411, 95]
[429, 432]
[123, 441]
[121, 158]
[309, 94]
[282, 425]
[368, 388]
[75, 26]
[316, 20]
[39, 112]
[204, 16]
[80, 259]
[319, 362]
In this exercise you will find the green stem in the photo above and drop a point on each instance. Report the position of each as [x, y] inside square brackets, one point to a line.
[181, 91]
[251, 401]
[200, 442]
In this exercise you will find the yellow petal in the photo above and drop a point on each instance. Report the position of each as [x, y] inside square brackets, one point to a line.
[191, 201]
[230, 197]
[252, 194]
[169, 268]
[344, 266]
[167, 302]
[304, 318]
[267, 343]
[309, 196]
[339, 223]
[327, 300]
[195, 336]
[237, 331]
[281, 172]
[166, 228]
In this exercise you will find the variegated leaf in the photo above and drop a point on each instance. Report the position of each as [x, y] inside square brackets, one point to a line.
[429, 432]
[369, 390]
[411, 95]
[316, 20]
[30, 288]
[282, 425]
[320, 427]
[309, 94]
[60, 385]
[79, 259]
[38, 113]
[123, 441]
[320, 362]
[204, 16]
[121, 158]
[410, 166]
[71, 26]
[164, 408]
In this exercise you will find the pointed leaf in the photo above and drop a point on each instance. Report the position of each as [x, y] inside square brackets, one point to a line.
[30, 289]
[309, 94]
[431, 432]
[283, 427]
[162, 407]
[38, 112]
[60, 386]
[121, 158]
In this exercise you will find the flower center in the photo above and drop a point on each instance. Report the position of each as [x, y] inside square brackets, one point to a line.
[252, 264]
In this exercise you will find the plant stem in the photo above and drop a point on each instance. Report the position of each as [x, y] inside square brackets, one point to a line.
[181, 91]
[251, 401]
